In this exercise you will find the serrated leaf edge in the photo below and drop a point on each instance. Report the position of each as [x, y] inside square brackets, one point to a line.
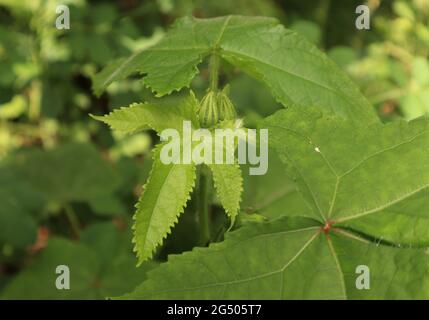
[180, 211]
[231, 215]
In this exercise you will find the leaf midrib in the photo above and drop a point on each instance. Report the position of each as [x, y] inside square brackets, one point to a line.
[153, 210]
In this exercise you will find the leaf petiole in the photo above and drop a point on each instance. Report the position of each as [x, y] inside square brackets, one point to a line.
[214, 71]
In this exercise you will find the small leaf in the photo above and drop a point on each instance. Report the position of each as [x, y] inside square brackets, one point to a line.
[229, 186]
[162, 201]
[157, 116]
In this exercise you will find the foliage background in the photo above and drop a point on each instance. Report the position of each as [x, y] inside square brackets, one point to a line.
[68, 185]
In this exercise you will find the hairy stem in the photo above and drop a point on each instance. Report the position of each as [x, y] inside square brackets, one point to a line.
[214, 71]
[203, 204]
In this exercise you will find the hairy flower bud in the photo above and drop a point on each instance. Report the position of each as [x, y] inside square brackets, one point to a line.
[208, 113]
[226, 108]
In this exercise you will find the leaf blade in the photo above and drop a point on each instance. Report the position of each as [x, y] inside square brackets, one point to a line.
[164, 197]
[157, 116]
[235, 269]
[296, 71]
[289, 258]
[228, 182]
[345, 178]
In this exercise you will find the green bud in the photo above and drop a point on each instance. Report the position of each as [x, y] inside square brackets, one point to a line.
[215, 107]
[226, 108]
[208, 110]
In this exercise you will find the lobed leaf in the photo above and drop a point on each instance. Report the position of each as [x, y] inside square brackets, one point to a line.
[377, 188]
[295, 70]
[290, 258]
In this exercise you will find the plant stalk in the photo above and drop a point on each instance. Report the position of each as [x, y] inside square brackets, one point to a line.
[214, 71]
[204, 183]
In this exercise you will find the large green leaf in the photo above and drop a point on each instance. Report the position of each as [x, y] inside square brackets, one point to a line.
[71, 172]
[101, 265]
[290, 258]
[372, 179]
[295, 70]
[164, 197]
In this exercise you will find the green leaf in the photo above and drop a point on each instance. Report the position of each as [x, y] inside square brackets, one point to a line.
[118, 273]
[157, 116]
[17, 227]
[289, 258]
[420, 71]
[357, 177]
[107, 205]
[164, 197]
[71, 172]
[38, 280]
[18, 210]
[415, 104]
[295, 70]
[101, 265]
[395, 274]
[229, 186]
[273, 194]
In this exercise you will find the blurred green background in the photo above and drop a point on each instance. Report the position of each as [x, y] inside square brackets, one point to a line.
[68, 184]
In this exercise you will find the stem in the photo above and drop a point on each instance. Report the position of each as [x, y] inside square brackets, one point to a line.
[203, 185]
[214, 71]
[203, 205]
[72, 219]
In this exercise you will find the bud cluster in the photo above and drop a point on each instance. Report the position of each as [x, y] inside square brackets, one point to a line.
[214, 107]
